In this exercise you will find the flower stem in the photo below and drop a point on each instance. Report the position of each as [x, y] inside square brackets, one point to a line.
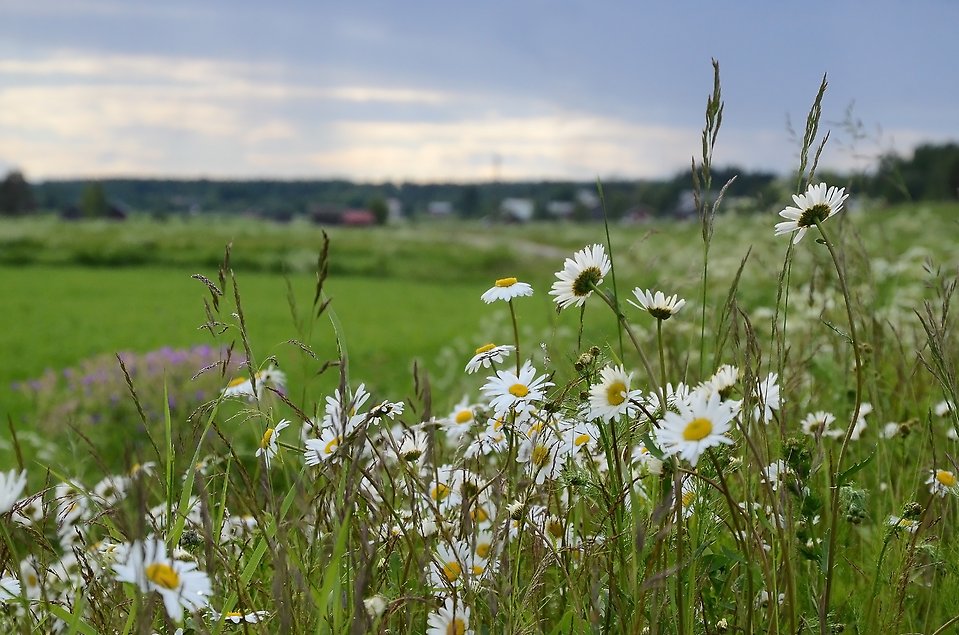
[512, 314]
[834, 474]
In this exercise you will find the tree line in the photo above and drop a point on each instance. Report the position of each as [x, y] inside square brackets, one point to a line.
[930, 173]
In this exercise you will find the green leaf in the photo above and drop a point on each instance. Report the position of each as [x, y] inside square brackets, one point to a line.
[847, 474]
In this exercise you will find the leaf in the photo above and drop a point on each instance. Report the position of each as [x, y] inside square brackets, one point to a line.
[846, 474]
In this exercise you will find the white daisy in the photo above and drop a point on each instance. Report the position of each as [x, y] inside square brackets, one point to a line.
[492, 439]
[543, 455]
[895, 523]
[240, 387]
[448, 564]
[580, 438]
[723, 381]
[450, 619]
[268, 443]
[942, 409]
[413, 447]
[580, 274]
[239, 617]
[29, 510]
[458, 423]
[11, 486]
[774, 472]
[110, 490]
[658, 305]
[701, 423]
[942, 482]
[644, 461]
[767, 396]
[9, 588]
[509, 391]
[507, 289]
[391, 409]
[342, 411]
[817, 204]
[818, 423]
[323, 449]
[611, 397]
[178, 582]
[487, 355]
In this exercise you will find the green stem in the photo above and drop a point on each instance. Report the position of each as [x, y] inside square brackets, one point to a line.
[632, 336]
[662, 361]
[512, 314]
[833, 474]
[702, 329]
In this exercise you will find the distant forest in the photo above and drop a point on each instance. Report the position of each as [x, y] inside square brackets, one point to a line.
[931, 173]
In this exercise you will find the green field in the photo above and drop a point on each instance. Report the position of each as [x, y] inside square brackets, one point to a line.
[73, 292]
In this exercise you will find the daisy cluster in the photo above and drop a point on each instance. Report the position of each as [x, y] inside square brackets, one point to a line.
[536, 472]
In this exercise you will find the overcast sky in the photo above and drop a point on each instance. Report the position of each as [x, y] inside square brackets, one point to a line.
[438, 90]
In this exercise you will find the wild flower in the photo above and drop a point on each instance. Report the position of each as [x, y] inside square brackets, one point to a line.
[942, 482]
[11, 485]
[612, 398]
[701, 423]
[657, 304]
[509, 391]
[450, 619]
[817, 205]
[178, 582]
[580, 274]
[487, 355]
[269, 442]
[506, 289]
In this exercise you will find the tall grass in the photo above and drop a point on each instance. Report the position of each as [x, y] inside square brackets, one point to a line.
[703, 474]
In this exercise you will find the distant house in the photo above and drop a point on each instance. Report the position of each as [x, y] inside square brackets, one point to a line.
[358, 218]
[517, 210]
[561, 209]
[439, 208]
[638, 214]
[326, 214]
[394, 210]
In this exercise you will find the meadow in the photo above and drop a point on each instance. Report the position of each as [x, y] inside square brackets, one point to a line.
[769, 451]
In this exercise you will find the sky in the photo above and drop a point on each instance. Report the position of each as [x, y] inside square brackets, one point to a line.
[462, 91]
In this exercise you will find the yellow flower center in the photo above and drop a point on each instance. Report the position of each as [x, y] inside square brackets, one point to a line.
[483, 549]
[947, 478]
[698, 429]
[479, 515]
[485, 348]
[456, 627]
[265, 441]
[555, 528]
[688, 498]
[581, 440]
[330, 447]
[478, 570]
[234, 614]
[163, 575]
[237, 381]
[439, 492]
[616, 393]
[452, 570]
[32, 580]
[464, 416]
[540, 455]
[506, 282]
[518, 390]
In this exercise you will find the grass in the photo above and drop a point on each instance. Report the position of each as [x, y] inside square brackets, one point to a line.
[596, 548]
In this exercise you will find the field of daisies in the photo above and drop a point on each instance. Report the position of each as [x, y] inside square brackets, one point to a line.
[773, 454]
